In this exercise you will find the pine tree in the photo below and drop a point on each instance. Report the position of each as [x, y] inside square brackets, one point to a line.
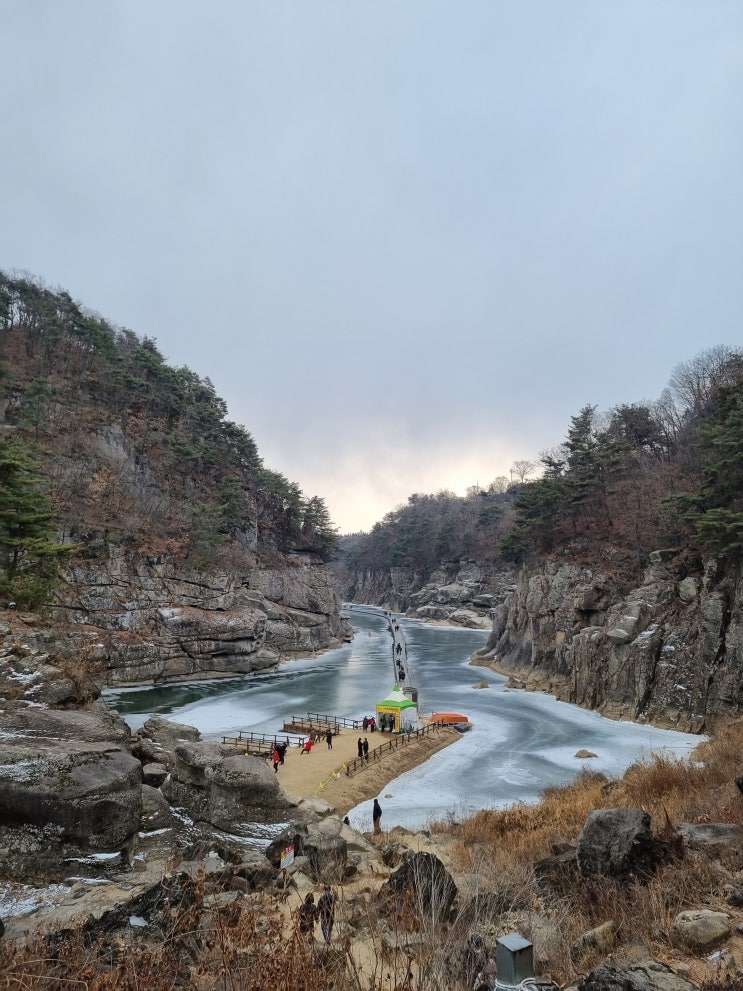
[29, 550]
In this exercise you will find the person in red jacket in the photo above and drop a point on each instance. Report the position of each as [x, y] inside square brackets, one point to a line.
[307, 746]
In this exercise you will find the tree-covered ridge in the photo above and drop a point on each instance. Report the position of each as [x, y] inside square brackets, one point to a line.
[645, 475]
[134, 449]
[640, 476]
[431, 529]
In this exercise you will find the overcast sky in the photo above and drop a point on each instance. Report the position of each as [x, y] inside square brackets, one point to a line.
[406, 240]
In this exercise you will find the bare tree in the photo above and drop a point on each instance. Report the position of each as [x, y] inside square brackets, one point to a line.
[693, 382]
[522, 469]
[499, 484]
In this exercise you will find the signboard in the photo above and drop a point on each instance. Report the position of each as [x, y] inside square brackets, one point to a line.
[287, 856]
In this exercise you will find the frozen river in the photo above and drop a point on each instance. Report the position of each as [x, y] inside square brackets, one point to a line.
[521, 742]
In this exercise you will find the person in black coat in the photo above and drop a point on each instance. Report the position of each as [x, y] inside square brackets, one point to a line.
[377, 816]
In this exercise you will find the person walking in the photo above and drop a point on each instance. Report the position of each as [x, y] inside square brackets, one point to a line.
[276, 760]
[329, 739]
[360, 746]
[365, 746]
[326, 913]
[307, 915]
[307, 748]
[377, 816]
[281, 747]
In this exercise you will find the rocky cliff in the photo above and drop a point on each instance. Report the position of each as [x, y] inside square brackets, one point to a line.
[669, 650]
[138, 522]
[143, 620]
[462, 593]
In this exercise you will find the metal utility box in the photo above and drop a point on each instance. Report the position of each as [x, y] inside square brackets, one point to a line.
[514, 958]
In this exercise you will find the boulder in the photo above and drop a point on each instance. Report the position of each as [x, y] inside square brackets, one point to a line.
[92, 725]
[617, 843]
[701, 835]
[65, 799]
[601, 939]
[241, 790]
[649, 975]
[702, 930]
[424, 884]
[324, 852]
[156, 813]
[558, 874]
[154, 774]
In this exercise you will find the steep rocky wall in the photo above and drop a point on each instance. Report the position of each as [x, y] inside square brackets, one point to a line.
[669, 651]
[144, 621]
[464, 593]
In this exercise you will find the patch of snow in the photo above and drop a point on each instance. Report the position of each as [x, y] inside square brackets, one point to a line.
[643, 638]
[23, 770]
[23, 676]
[93, 858]
[22, 899]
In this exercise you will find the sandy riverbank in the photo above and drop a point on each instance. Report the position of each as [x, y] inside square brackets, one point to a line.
[322, 772]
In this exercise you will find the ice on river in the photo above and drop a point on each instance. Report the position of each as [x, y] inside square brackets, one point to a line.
[521, 742]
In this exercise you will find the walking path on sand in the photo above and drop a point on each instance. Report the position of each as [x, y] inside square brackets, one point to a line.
[315, 773]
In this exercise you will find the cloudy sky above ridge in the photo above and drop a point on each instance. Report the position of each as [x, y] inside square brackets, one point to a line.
[406, 241]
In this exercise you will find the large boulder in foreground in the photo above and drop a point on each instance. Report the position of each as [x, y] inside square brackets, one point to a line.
[423, 883]
[649, 975]
[64, 799]
[617, 843]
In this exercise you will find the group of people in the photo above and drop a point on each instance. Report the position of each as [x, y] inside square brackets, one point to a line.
[278, 756]
[363, 748]
[369, 723]
[324, 912]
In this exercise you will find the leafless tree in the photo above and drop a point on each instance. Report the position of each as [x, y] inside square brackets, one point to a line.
[499, 484]
[522, 469]
[693, 382]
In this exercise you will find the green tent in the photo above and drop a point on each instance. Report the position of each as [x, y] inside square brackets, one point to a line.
[403, 710]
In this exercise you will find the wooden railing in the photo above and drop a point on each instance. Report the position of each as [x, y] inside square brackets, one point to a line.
[317, 724]
[394, 743]
[257, 744]
[338, 721]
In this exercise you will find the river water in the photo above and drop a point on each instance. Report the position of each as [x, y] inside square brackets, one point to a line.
[520, 743]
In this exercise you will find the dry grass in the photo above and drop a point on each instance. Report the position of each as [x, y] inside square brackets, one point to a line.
[525, 833]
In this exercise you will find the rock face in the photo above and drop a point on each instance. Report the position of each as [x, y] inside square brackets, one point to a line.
[669, 650]
[68, 788]
[463, 593]
[142, 620]
[646, 976]
[617, 843]
[424, 884]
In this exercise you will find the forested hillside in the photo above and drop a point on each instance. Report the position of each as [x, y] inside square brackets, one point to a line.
[101, 441]
[643, 475]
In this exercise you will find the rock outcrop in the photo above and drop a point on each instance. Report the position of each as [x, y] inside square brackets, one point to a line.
[669, 650]
[68, 788]
[462, 593]
[143, 621]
